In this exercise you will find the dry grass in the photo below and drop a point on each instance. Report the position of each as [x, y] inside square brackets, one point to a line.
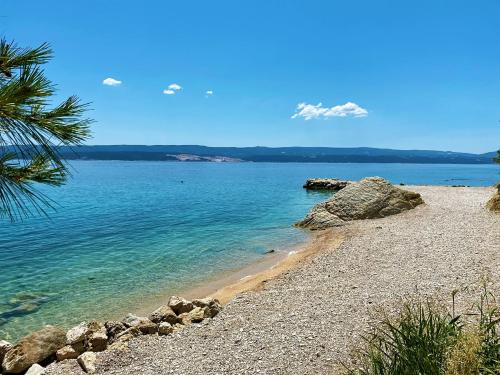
[494, 203]
[464, 358]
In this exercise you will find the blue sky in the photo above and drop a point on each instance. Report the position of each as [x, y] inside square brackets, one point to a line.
[420, 74]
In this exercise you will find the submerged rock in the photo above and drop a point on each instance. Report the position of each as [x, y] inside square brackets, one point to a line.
[34, 348]
[371, 198]
[333, 184]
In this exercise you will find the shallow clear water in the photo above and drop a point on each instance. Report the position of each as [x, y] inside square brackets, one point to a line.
[129, 231]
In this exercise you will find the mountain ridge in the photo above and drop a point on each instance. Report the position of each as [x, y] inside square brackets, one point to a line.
[199, 153]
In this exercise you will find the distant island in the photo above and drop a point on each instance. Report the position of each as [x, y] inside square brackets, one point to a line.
[195, 153]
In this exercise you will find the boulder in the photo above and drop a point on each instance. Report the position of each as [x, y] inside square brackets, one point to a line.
[67, 352]
[194, 316]
[122, 339]
[33, 348]
[164, 314]
[145, 325]
[77, 334]
[333, 184]
[97, 337]
[36, 369]
[371, 198]
[210, 305]
[180, 305]
[494, 203]
[114, 328]
[129, 333]
[88, 361]
[165, 328]
[5, 346]
[66, 367]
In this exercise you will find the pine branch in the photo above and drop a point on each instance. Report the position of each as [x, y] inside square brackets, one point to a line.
[31, 129]
[17, 196]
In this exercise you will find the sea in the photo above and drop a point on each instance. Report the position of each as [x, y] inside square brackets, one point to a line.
[125, 232]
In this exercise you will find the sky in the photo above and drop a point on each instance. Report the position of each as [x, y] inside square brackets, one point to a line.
[391, 74]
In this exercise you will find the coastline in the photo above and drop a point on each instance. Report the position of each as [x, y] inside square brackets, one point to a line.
[254, 275]
[307, 320]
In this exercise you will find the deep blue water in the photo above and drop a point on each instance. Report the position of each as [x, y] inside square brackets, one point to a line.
[125, 231]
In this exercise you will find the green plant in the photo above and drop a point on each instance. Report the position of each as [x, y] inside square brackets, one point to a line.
[31, 129]
[425, 339]
[489, 321]
[416, 342]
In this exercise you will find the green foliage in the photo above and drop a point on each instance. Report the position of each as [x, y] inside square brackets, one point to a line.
[489, 322]
[497, 159]
[31, 129]
[425, 339]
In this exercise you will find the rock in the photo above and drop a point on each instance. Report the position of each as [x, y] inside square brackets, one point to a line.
[77, 334]
[131, 332]
[180, 305]
[210, 305]
[4, 348]
[194, 316]
[145, 325]
[67, 367]
[34, 348]
[36, 369]
[97, 338]
[371, 198]
[114, 328]
[164, 314]
[68, 352]
[178, 327]
[494, 203]
[165, 328]
[122, 339]
[326, 184]
[88, 361]
[119, 344]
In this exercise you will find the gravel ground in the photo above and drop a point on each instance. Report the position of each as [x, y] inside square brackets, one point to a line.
[306, 320]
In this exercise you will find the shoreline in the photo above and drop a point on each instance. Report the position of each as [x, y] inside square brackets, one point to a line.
[308, 320]
[253, 276]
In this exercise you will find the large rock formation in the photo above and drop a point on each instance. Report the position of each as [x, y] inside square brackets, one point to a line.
[494, 203]
[34, 348]
[371, 198]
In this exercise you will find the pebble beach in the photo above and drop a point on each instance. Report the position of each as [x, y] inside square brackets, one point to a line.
[307, 319]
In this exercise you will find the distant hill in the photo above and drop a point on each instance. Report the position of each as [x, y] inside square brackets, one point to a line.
[194, 153]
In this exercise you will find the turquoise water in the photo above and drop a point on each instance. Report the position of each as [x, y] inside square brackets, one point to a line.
[125, 232]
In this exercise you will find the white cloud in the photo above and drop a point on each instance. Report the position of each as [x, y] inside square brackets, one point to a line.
[111, 82]
[174, 86]
[311, 111]
[169, 92]
[209, 92]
